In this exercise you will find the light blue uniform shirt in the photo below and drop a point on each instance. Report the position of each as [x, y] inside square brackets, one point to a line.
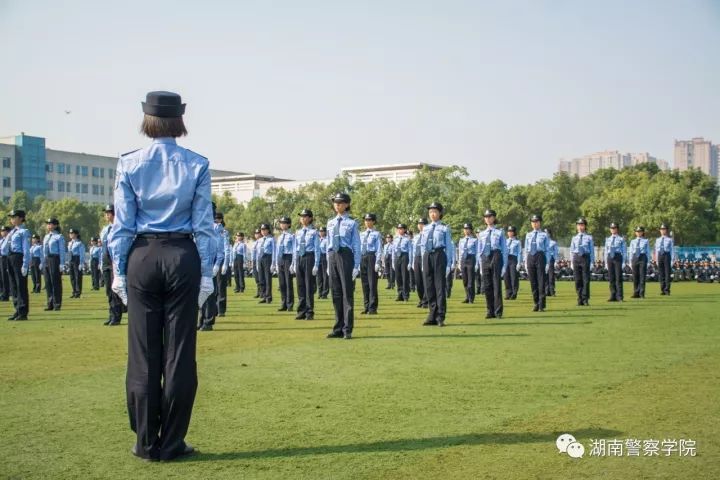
[343, 233]
[437, 235]
[665, 245]
[582, 244]
[370, 242]
[490, 240]
[4, 246]
[285, 245]
[162, 188]
[401, 244]
[307, 240]
[537, 241]
[323, 245]
[553, 250]
[239, 250]
[104, 238]
[54, 244]
[76, 248]
[95, 253]
[639, 246]
[467, 246]
[222, 252]
[266, 246]
[615, 244]
[19, 242]
[416, 247]
[36, 251]
[513, 246]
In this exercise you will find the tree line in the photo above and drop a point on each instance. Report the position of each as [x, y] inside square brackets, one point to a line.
[641, 195]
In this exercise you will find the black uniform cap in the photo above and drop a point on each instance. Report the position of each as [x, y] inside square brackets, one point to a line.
[109, 208]
[264, 226]
[581, 221]
[664, 225]
[219, 216]
[490, 213]
[285, 220]
[4, 228]
[53, 221]
[388, 236]
[536, 218]
[257, 230]
[306, 212]
[35, 236]
[436, 205]
[511, 228]
[239, 234]
[371, 216]
[74, 230]
[422, 221]
[163, 104]
[93, 239]
[341, 197]
[468, 225]
[614, 225]
[640, 228]
[17, 213]
[402, 225]
[322, 229]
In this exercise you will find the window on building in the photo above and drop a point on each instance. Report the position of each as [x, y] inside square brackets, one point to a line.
[61, 186]
[49, 186]
[77, 188]
[49, 167]
[84, 171]
[6, 199]
[111, 173]
[102, 189]
[96, 171]
[84, 188]
[77, 169]
[61, 168]
[95, 189]
[6, 162]
[67, 187]
[6, 182]
[102, 172]
[68, 169]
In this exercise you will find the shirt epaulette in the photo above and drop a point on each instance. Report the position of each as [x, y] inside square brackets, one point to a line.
[201, 156]
[128, 153]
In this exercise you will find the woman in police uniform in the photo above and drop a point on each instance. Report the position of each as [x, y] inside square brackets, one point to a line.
[76, 250]
[54, 252]
[162, 204]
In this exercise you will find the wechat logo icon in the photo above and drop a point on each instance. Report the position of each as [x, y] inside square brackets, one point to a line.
[566, 443]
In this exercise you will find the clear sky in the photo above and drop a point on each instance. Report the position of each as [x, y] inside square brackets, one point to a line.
[299, 89]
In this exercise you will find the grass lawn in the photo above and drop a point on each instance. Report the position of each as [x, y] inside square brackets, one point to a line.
[476, 399]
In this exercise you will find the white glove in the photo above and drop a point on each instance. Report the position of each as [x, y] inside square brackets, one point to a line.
[315, 271]
[224, 270]
[518, 267]
[460, 273]
[502, 271]
[327, 270]
[292, 270]
[377, 267]
[23, 270]
[547, 268]
[216, 270]
[273, 269]
[447, 271]
[355, 272]
[42, 267]
[63, 269]
[409, 268]
[206, 289]
[477, 267]
[119, 286]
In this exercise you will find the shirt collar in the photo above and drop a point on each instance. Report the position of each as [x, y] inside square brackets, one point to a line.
[165, 140]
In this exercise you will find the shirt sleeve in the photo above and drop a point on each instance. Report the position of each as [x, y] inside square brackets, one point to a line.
[503, 249]
[450, 248]
[202, 222]
[124, 226]
[62, 249]
[26, 248]
[316, 247]
[592, 250]
[355, 241]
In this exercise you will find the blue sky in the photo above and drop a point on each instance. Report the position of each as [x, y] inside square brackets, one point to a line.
[300, 89]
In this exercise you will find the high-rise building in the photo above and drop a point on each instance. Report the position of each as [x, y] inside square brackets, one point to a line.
[697, 153]
[587, 164]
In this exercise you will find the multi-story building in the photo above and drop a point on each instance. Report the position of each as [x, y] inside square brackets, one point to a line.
[697, 153]
[585, 165]
[396, 172]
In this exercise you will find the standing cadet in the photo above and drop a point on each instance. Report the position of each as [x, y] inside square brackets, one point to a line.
[239, 255]
[36, 263]
[370, 254]
[222, 277]
[411, 277]
[19, 262]
[95, 252]
[615, 255]
[536, 257]
[478, 271]
[54, 253]
[417, 249]
[209, 309]
[401, 261]
[344, 265]
[255, 259]
[282, 262]
[582, 253]
[467, 249]
[305, 264]
[437, 264]
[553, 254]
[664, 256]
[512, 277]
[162, 200]
[266, 259]
[639, 256]
[115, 304]
[4, 267]
[492, 260]
[76, 252]
[323, 278]
[388, 268]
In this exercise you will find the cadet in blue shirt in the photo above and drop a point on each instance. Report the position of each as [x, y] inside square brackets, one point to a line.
[323, 278]
[19, 264]
[639, 256]
[416, 253]
[438, 262]
[615, 254]
[36, 263]
[664, 257]
[4, 271]
[54, 253]
[223, 275]
[492, 260]
[162, 204]
[400, 261]
[283, 265]
[553, 254]
[115, 303]
[536, 261]
[582, 254]
[343, 255]
[512, 277]
[371, 253]
[95, 252]
[239, 255]
[266, 259]
[305, 264]
[388, 269]
[76, 252]
[467, 249]
[255, 259]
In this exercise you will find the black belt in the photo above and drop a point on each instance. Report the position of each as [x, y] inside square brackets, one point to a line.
[307, 253]
[368, 253]
[439, 249]
[165, 235]
[14, 253]
[52, 255]
[341, 250]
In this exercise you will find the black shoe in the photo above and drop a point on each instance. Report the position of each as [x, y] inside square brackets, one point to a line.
[309, 317]
[466, 301]
[47, 309]
[441, 323]
[221, 314]
[256, 296]
[21, 317]
[514, 297]
[507, 298]
[372, 312]
[347, 336]
[206, 328]
[587, 303]
[282, 309]
[114, 323]
[536, 308]
[57, 309]
[334, 335]
[107, 322]
[580, 303]
[263, 301]
[636, 296]
[428, 323]
[236, 291]
[498, 315]
[300, 316]
[663, 293]
[489, 315]
[134, 451]
[364, 312]
[13, 316]
[399, 299]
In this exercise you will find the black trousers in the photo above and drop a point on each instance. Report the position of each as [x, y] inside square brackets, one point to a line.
[209, 309]
[615, 272]
[239, 273]
[478, 282]
[369, 280]
[536, 274]
[411, 277]
[639, 268]
[53, 281]
[36, 274]
[18, 284]
[115, 306]
[222, 286]
[287, 291]
[389, 272]
[323, 277]
[402, 276]
[163, 277]
[95, 273]
[75, 275]
[419, 280]
[512, 278]
[265, 277]
[581, 274]
[341, 265]
[550, 279]
[664, 271]
[449, 280]
[306, 284]
[256, 275]
[4, 279]
[468, 277]
[434, 266]
[492, 283]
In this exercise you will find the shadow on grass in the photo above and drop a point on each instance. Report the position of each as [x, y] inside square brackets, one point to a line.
[409, 444]
[491, 324]
[447, 335]
[283, 329]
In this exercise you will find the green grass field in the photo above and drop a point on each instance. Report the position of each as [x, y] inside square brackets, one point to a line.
[476, 399]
